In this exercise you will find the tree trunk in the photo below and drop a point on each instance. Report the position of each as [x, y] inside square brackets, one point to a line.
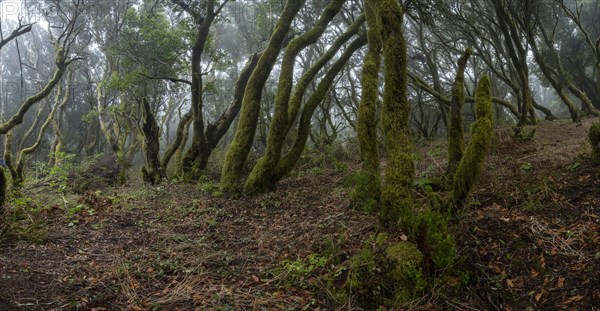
[195, 159]
[261, 177]
[396, 193]
[456, 140]
[178, 143]
[231, 176]
[57, 123]
[366, 127]
[287, 162]
[152, 172]
[470, 167]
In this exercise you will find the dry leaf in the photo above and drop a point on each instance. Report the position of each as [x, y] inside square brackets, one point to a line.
[538, 296]
[574, 299]
[561, 282]
[510, 283]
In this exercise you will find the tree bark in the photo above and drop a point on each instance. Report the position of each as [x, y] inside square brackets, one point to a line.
[396, 196]
[261, 177]
[366, 127]
[288, 161]
[231, 176]
[152, 172]
[456, 140]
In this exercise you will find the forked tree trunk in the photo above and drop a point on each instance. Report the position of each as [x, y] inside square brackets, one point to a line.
[231, 176]
[261, 177]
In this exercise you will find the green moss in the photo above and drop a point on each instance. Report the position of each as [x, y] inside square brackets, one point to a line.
[405, 259]
[3, 214]
[365, 193]
[262, 176]
[594, 138]
[396, 193]
[367, 110]
[432, 233]
[456, 143]
[384, 273]
[235, 159]
[471, 165]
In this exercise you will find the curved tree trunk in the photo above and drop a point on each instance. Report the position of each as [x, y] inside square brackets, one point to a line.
[261, 177]
[177, 142]
[288, 161]
[231, 176]
[456, 140]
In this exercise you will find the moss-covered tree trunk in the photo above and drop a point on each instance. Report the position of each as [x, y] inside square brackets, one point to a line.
[231, 175]
[152, 172]
[594, 139]
[288, 161]
[470, 167]
[456, 140]
[396, 196]
[179, 151]
[366, 126]
[8, 160]
[3, 212]
[261, 177]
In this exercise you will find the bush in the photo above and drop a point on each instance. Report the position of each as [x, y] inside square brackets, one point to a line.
[94, 173]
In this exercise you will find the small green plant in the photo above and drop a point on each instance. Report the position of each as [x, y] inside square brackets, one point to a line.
[365, 195]
[426, 184]
[573, 167]
[208, 186]
[270, 201]
[526, 167]
[296, 271]
[59, 173]
[317, 171]
[304, 267]
[435, 152]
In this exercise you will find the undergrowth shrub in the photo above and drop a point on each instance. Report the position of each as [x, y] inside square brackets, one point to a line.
[94, 173]
[363, 198]
[384, 272]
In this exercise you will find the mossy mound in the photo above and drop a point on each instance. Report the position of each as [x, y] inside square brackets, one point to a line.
[384, 273]
[594, 137]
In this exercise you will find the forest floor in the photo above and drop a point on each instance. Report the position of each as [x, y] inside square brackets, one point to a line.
[531, 239]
